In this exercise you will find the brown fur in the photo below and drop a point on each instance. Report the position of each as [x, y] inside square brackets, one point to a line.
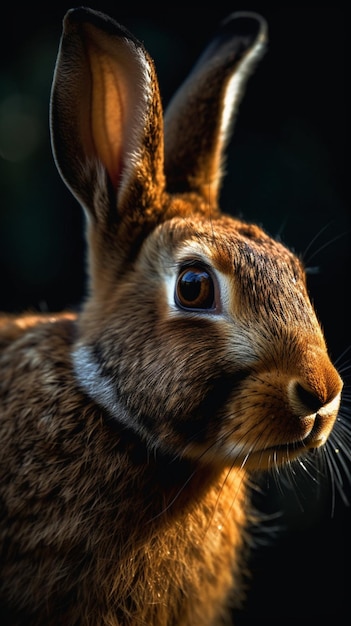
[129, 431]
[84, 561]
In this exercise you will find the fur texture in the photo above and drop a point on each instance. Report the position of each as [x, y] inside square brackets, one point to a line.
[130, 430]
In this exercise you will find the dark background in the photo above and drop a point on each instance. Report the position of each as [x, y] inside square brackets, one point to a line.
[286, 170]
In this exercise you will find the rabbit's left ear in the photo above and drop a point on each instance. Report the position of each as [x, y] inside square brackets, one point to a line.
[199, 118]
[106, 118]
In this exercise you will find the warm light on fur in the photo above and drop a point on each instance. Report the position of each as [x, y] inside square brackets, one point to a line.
[130, 430]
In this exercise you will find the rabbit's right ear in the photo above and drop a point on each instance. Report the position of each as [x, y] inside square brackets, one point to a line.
[106, 119]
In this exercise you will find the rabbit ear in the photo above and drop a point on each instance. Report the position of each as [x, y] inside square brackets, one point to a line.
[106, 118]
[199, 118]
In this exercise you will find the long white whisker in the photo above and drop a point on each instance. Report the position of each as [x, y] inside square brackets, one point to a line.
[325, 245]
[314, 239]
[342, 355]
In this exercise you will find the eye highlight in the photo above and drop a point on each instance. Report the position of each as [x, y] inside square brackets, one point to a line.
[195, 289]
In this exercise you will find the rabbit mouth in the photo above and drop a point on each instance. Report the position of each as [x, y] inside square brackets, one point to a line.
[282, 454]
[315, 439]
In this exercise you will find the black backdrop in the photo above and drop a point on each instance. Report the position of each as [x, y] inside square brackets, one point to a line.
[286, 170]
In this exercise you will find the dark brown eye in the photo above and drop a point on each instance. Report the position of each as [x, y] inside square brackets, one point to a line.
[195, 289]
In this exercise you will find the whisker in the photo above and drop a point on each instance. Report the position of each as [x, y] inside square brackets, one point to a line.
[322, 247]
[344, 371]
[325, 245]
[215, 508]
[329, 462]
[174, 499]
[337, 481]
[342, 355]
[314, 239]
[281, 229]
[344, 430]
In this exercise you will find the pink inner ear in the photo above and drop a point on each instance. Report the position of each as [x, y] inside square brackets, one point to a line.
[106, 115]
[108, 112]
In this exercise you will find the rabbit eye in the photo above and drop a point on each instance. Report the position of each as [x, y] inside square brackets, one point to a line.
[195, 289]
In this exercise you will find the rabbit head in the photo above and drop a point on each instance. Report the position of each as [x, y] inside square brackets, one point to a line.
[197, 331]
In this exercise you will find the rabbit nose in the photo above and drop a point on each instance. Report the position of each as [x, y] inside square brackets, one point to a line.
[317, 386]
[308, 398]
[317, 407]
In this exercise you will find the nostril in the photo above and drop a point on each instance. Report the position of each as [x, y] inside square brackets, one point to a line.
[309, 399]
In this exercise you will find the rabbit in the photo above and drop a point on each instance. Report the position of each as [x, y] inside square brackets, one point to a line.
[132, 429]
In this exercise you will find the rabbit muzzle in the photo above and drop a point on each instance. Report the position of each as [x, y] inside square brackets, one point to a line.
[282, 416]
